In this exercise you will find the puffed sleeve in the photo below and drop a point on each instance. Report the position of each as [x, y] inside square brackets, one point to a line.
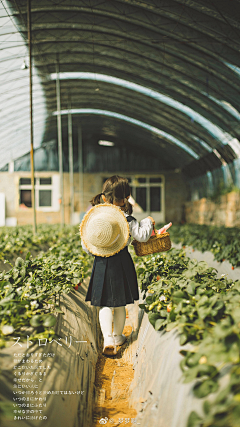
[141, 232]
[85, 249]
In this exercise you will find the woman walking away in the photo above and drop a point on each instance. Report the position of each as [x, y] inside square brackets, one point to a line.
[105, 232]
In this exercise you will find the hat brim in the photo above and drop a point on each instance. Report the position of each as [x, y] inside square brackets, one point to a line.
[122, 222]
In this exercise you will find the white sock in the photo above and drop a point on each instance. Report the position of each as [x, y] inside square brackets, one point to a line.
[105, 319]
[119, 320]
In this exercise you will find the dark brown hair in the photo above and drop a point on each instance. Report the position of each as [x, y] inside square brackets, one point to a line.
[115, 189]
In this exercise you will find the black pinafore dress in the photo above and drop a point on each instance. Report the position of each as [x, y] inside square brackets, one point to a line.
[113, 281]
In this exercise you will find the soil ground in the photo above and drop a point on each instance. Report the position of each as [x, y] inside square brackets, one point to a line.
[112, 381]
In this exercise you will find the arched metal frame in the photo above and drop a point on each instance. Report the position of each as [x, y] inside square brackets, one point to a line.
[185, 49]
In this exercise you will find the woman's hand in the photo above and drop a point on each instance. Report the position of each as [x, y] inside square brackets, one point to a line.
[151, 220]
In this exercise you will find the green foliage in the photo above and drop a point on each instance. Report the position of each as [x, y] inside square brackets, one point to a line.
[30, 292]
[222, 242]
[187, 295]
[221, 190]
[20, 239]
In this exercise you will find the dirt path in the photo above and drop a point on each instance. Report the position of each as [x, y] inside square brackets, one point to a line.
[112, 381]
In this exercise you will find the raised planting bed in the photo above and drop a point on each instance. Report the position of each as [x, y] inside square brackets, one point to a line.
[59, 374]
[222, 242]
[193, 311]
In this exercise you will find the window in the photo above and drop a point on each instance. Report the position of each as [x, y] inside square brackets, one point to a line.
[141, 197]
[46, 193]
[148, 193]
[155, 199]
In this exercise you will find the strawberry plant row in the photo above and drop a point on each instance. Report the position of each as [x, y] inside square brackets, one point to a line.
[187, 295]
[222, 242]
[20, 239]
[30, 291]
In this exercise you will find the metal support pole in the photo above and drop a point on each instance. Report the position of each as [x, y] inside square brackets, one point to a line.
[80, 162]
[60, 156]
[31, 113]
[70, 155]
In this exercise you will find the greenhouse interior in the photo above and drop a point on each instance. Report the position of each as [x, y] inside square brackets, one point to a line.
[120, 213]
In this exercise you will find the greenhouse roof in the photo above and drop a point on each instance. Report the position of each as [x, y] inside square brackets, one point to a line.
[163, 75]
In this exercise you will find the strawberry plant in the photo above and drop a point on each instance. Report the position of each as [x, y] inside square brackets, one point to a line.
[221, 241]
[20, 240]
[187, 295]
[30, 291]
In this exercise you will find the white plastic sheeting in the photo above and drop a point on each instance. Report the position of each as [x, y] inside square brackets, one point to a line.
[14, 93]
[72, 369]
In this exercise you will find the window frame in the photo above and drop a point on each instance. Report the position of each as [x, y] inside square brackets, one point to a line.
[134, 184]
[54, 187]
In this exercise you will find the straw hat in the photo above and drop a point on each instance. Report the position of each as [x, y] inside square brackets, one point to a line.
[104, 230]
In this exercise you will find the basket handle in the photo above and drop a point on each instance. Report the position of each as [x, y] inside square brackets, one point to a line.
[154, 229]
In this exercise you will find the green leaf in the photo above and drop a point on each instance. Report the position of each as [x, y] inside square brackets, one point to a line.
[153, 317]
[203, 300]
[23, 272]
[190, 374]
[222, 331]
[183, 339]
[206, 407]
[19, 262]
[172, 315]
[49, 321]
[184, 352]
[163, 313]
[203, 389]
[203, 312]
[223, 395]
[7, 299]
[189, 274]
[142, 306]
[205, 369]
[171, 326]
[178, 296]
[191, 288]
[193, 359]
[234, 353]
[58, 310]
[36, 321]
[236, 314]
[194, 420]
[159, 323]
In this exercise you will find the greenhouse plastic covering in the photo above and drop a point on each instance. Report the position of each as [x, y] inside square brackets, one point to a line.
[156, 76]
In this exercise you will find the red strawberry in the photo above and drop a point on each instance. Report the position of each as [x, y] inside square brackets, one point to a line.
[184, 247]
[169, 308]
[232, 267]
[158, 277]
[76, 287]
[193, 250]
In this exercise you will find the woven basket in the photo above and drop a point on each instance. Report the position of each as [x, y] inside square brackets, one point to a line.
[157, 243]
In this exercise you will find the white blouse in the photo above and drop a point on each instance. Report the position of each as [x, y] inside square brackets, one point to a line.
[139, 231]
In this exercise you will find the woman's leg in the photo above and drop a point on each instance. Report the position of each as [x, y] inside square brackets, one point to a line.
[119, 320]
[105, 319]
